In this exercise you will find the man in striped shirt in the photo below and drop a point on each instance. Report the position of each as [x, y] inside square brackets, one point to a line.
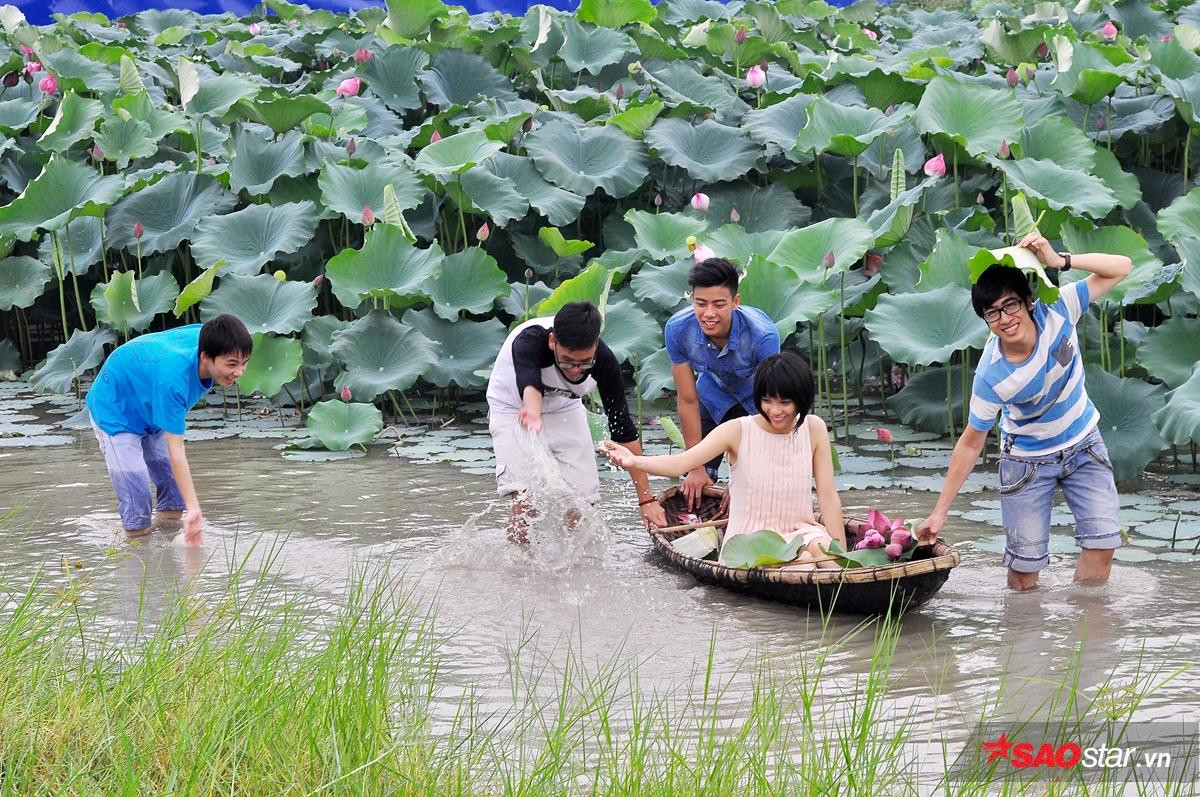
[1032, 373]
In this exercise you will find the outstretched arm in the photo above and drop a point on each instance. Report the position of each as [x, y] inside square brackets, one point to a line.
[688, 404]
[1106, 270]
[723, 439]
[193, 518]
[966, 453]
[827, 496]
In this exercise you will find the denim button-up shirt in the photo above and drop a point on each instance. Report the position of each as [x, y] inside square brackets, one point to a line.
[724, 376]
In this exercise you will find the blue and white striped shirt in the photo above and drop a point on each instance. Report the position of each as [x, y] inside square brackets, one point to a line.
[1044, 402]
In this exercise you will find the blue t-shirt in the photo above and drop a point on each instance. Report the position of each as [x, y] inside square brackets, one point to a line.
[149, 384]
[725, 376]
[1045, 404]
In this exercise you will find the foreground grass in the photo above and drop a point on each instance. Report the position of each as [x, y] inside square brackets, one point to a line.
[263, 691]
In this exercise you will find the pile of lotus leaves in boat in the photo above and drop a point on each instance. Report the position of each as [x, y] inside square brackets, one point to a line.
[382, 195]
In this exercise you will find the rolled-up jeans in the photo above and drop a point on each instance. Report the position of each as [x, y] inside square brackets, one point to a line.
[135, 462]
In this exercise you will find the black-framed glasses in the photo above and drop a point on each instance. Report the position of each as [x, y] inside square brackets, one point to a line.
[581, 365]
[992, 314]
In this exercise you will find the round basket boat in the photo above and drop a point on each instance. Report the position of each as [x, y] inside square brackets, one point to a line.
[891, 588]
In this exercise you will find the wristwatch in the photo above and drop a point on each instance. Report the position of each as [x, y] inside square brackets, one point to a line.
[1066, 256]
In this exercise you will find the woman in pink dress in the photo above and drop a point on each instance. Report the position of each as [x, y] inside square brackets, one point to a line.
[775, 460]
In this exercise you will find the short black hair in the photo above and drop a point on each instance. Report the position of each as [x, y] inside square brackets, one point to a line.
[997, 281]
[577, 325]
[713, 272]
[225, 334]
[785, 375]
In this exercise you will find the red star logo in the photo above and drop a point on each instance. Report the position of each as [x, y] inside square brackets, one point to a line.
[998, 748]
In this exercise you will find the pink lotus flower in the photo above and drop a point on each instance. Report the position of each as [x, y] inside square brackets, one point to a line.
[1005, 150]
[755, 77]
[702, 252]
[368, 216]
[861, 545]
[345, 394]
[870, 34]
[619, 91]
[740, 36]
[904, 538]
[32, 68]
[96, 152]
[734, 216]
[893, 550]
[883, 435]
[362, 55]
[936, 166]
[1012, 78]
[700, 202]
[483, 233]
[26, 50]
[48, 84]
[138, 229]
[1109, 31]
[1166, 37]
[874, 539]
[658, 200]
[254, 28]
[351, 147]
[435, 138]
[829, 260]
[121, 24]
[1043, 50]
[318, 280]
[689, 518]
[872, 264]
[1029, 73]
[349, 87]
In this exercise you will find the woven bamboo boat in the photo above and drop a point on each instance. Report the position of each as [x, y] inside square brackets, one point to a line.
[867, 590]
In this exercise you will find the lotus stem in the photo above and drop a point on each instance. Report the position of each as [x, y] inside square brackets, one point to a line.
[104, 251]
[237, 397]
[1121, 339]
[1108, 125]
[854, 182]
[75, 279]
[1175, 531]
[637, 386]
[391, 394]
[408, 404]
[1004, 205]
[139, 259]
[949, 394]
[842, 348]
[58, 272]
[199, 152]
[462, 223]
[862, 366]
[954, 160]
[1187, 146]
[823, 380]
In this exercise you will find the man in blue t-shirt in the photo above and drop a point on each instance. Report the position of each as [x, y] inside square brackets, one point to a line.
[1032, 372]
[139, 405]
[721, 342]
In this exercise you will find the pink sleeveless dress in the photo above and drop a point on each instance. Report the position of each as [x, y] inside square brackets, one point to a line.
[771, 484]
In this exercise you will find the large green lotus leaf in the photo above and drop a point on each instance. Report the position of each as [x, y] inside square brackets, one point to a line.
[976, 117]
[318, 338]
[924, 328]
[733, 242]
[760, 548]
[263, 303]
[1124, 185]
[615, 13]
[589, 48]
[680, 84]
[69, 360]
[169, 211]
[77, 72]
[892, 221]
[1014, 257]
[258, 162]
[1131, 112]
[64, 189]
[74, 121]
[759, 208]
[455, 77]
[630, 331]
[1014, 47]
[161, 120]
[348, 190]
[664, 286]
[779, 124]
[197, 289]
[1060, 188]
[456, 154]
[775, 290]
[560, 206]
[1057, 139]
[664, 235]
[392, 76]
[922, 401]
[129, 304]
[496, 196]
[340, 424]
[708, 151]
[654, 374]
[273, 363]
[17, 114]
[582, 159]
[562, 247]
[1139, 19]
[466, 347]
[1179, 419]
[1083, 71]
[22, 280]
[123, 139]
[1116, 240]
[388, 267]
[410, 19]
[1171, 350]
[845, 129]
[1182, 218]
[1189, 253]
[1126, 407]
[217, 94]
[468, 280]
[947, 263]
[590, 285]
[251, 237]
[281, 111]
[381, 354]
[637, 117]
[804, 250]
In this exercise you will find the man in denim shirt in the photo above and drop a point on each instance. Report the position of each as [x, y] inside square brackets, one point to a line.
[714, 347]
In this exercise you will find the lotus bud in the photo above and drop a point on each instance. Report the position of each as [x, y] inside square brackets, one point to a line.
[936, 166]
[700, 202]
[48, 84]
[318, 280]
[702, 253]
[1043, 50]
[883, 435]
[903, 537]
[1029, 73]
[829, 259]
[362, 55]
[888, 111]
[1005, 150]
[528, 274]
[893, 550]
[870, 34]
[872, 264]
[691, 243]
[121, 24]
[345, 394]
[368, 216]
[1166, 37]
[32, 68]
[435, 138]
[740, 36]
[254, 29]
[634, 69]
[1012, 78]
[26, 50]
[619, 91]
[874, 539]
[1109, 31]
[28, 79]
[755, 77]
[12, 79]
[351, 147]
[734, 216]
[861, 545]
[349, 87]
[1102, 123]
[138, 229]
[279, 275]
[97, 153]
[483, 233]
[658, 200]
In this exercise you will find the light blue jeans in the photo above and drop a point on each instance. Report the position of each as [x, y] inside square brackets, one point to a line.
[134, 463]
[1084, 471]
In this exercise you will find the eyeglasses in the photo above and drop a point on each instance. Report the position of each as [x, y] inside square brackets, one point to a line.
[565, 364]
[992, 314]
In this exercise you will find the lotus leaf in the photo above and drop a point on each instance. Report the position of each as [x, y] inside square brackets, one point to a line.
[976, 117]
[1189, 253]
[1126, 407]
[779, 124]
[468, 280]
[273, 363]
[263, 303]
[698, 544]
[1084, 72]
[582, 159]
[1055, 138]
[466, 347]
[559, 206]
[197, 289]
[1061, 188]
[804, 251]
[74, 121]
[846, 129]
[759, 549]
[168, 211]
[637, 117]
[22, 280]
[733, 242]
[1179, 419]
[340, 424]
[258, 163]
[381, 354]
[1115, 240]
[562, 247]
[775, 290]
[281, 111]
[592, 49]
[455, 77]
[947, 263]
[65, 189]
[664, 286]
[708, 151]
[681, 85]
[249, 238]
[1171, 350]
[17, 114]
[124, 139]
[1123, 185]
[348, 190]
[759, 209]
[631, 332]
[496, 196]
[392, 75]
[522, 300]
[1014, 257]
[615, 13]
[217, 94]
[590, 285]
[456, 154]
[921, 403]
[924, 328]
[69, 360]
[388, 268]
[1182, 218]
[79, 73]
[664, 235]
[129, 304]
[318, 338]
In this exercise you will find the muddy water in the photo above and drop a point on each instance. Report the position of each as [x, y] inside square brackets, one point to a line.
[444, 530]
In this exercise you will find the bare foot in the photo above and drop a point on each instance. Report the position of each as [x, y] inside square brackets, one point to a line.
[1022, 581]
[133, 534]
